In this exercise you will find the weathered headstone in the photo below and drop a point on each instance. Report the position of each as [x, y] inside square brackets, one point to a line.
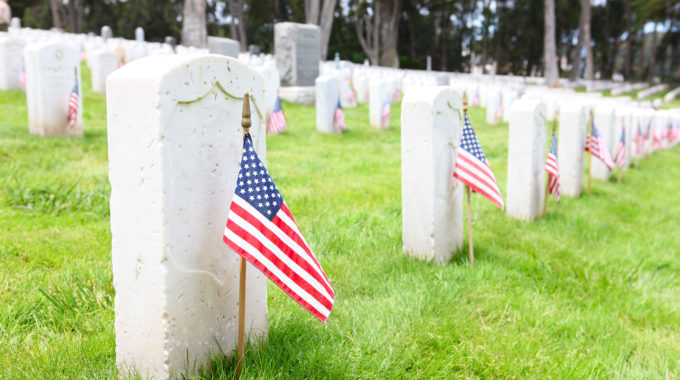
[429, 63]
[296, 47]
[570, 147]
[175, 145]
[432, 200]
[493, 105]
[106, 32]
[604, 119]
[52, 72]
[11, 61]
[139, 34]
[526, 159]
[15, 23]
[171, 41]
[271, 87]
[327, 96]
[361, 88]
[103, 62]
[223, 46]
[379, 93]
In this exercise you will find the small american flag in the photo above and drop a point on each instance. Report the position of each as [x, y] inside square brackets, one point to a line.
[339, 117]
[397, 94]
[22, 77]
[639, 142]
[277, 122]
[261, 229]
[553, 169]
[473, 169]
[595, 145]
[499, 113]
[657, 137]
[621, 150]
[385, 115]
[73, 107]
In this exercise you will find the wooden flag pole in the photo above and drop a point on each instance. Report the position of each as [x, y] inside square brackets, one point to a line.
[547, 177]
[590, 153]
[469, 202]
[245, 123]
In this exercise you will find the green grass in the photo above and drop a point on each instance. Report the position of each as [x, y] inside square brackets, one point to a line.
[592, 291]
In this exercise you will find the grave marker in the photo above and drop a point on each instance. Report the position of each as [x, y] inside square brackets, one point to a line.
[175, 144]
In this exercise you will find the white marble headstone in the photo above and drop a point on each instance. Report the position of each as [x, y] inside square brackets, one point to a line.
[223, 46]
[11, 61]
[52, 71]
[327, 96]
[526, 159]
[570, 147]
[379, 92]
[432, 200]
[175, 143]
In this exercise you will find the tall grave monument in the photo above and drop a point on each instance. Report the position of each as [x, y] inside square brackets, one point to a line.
[297, 48]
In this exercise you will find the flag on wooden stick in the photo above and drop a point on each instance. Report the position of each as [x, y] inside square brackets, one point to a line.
[639, 142]
[553, 169]
[261, 229]
[339, 117]
[621, 150]
[385, 114]
[22, 77]
[473, 169]
[73, 107]
[595, 145]
[277, 122]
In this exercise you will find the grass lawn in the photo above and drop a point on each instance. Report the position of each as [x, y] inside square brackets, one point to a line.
[592, 291]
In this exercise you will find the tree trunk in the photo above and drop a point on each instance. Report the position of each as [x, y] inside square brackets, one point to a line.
[243, 38]
[642, 53]
[312, 11]
[629, 40]
[389, 33]
[368, 33]
[590, 70]
[56, 15]
[326, 25]
[194, 29]
[652, 59]
[549, 49]
[576, 53]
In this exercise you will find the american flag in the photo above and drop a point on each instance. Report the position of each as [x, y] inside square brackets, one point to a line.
[553, 169]
[499, 113]
[639, 142]
[657, 137]
[339, 117]
[621, 150]
[473, 169]
[22, 77]
[352, 95]
[595, 145]
[385, 115]
[397, 94]
[277, 122]
[261, 229]
[73, 106]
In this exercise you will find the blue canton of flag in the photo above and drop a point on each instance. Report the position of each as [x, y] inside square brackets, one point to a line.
[255, 185]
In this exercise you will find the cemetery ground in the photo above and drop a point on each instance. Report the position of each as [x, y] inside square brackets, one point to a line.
[589, 292]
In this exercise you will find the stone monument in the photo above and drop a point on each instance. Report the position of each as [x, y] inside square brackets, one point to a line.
[175, 143]
[432, 200]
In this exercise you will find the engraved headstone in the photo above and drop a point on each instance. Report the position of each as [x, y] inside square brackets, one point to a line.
[139, 34]
[11, 61]
[526, 159]
[175, 144]
[106, 32]
[574, 118]
[296, 47]
[432, 200]
[223, 46]
[327, 96]
[103, 63]
[52, 72]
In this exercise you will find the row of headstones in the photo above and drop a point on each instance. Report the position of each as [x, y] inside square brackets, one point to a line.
[432, 199]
